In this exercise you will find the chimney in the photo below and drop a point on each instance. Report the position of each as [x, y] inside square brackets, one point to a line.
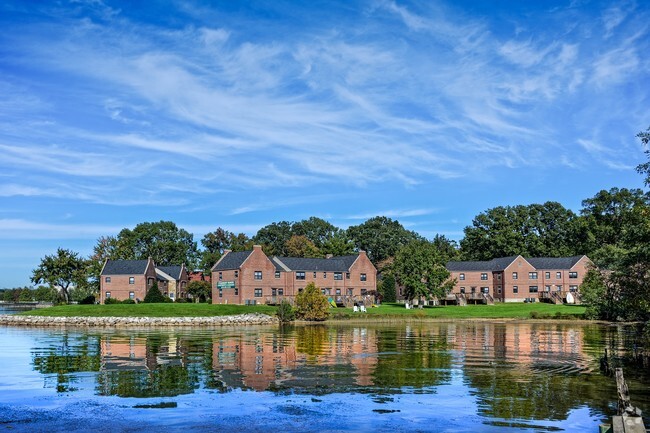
[329, 256]
[257, 247]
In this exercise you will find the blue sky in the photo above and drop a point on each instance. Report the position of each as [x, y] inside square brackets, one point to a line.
[238, 114]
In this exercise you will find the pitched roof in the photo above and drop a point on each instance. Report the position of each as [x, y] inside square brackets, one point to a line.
[554, 262]
[172, 271]
[125, 267]
[232, 260]
[491, 265]
[334, 264]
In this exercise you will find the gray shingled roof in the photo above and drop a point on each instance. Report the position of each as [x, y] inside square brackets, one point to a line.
[125, 267]
[232, 260]
[492, 265]
[335, 264]
[172, 271]
[554, 262]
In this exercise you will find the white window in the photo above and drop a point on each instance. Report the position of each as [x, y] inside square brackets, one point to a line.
[131, 280]
[258, 275]
[131, 295]
[107, 279]
[108, 295]
[461, 277]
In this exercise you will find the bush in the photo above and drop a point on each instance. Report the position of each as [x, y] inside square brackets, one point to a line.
[388, 289]
[311, 304]
[128, 301]
[88, 300]
[154, 296]
[181, 301]
[285, 312]
[109, 301]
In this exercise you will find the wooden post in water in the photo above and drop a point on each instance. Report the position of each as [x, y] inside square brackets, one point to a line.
[629, 418]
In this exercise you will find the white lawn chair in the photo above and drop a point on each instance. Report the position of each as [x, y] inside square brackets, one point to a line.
[355, 309]
[363, 309]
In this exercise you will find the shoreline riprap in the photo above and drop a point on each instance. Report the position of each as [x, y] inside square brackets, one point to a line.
[45, 321]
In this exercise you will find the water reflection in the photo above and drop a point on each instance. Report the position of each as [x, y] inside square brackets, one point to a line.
[530, 371]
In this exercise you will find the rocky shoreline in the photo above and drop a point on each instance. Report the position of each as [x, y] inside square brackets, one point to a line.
[240, 319]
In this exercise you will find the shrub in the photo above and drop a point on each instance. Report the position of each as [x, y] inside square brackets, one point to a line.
[154, 296]
[128, 301]
[181, 301]
[311, 304]
[88, 300]
[285, 312]
[109, 301]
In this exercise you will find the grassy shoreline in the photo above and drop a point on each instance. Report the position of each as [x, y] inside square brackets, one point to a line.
[385, 311]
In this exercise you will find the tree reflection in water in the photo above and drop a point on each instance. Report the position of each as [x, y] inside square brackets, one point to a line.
[515, 371]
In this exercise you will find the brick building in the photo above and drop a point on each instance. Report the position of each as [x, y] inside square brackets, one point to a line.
[132, 279]
[517, 279]
[253, 277]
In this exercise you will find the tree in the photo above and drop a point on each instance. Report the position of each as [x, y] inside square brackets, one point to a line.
[317, 230]
[387, 288]
[274, 237]
[536, 230]
[154, 296]
[380, 237]
[608, 216]
[338, 245]
[45, 294]
[216, 242]
[165, 243]
[420, 267]
[300, 246]
[62, 271]
[311, 304]
[644, 169]
[200, 290]
[104, 249]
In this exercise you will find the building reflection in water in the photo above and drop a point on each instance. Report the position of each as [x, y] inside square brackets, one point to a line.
[515, 370]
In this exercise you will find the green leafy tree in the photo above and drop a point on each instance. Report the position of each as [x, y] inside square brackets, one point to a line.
[387, 288]
[154, 296]
[45, 294]
[62, 271]
[338, 245]
[317, 230]
[644, 169]
[301, 246]
[285, 312]
[216, 242]
[536, 230]
[380, 237]
[104, 249]
[599, 295]
[311, 304]
[26, 295]
[200, 290]
[420, 267]
[274, 237]
[163, 241]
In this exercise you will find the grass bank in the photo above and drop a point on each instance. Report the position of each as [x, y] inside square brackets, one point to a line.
[397, 311]
[496, 311]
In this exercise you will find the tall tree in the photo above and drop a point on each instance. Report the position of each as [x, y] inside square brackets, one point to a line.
[274, 237]
[62, 271]
[380, 237]
[644, 169]
[536, 230]
[316, 230]
[420, 267]
[163, 241]
[338, 245]
[216, 242]
[105, 248]
[301, 246]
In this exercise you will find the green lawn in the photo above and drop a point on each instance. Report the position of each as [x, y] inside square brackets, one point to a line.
[386, 310]
[509, 310]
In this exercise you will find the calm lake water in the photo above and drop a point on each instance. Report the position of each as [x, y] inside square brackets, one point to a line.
[405, 377]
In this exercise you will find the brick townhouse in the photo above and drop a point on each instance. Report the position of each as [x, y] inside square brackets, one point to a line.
[131, 279]
[517, 279]
[253, 277]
